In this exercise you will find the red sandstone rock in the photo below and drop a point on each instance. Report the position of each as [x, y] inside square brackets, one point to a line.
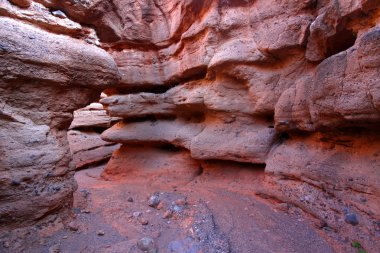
[261, 82]
[246, 75]
[174, 167]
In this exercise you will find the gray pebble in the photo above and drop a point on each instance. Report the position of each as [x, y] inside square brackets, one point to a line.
[147, 244]
[351, 218]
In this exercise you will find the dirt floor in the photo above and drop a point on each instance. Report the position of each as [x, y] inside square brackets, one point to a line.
[215, 212]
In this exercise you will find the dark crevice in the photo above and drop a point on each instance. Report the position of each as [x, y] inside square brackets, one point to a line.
[242, 165]
[193, 116]
[200, 171]
[341, 41]
[151, 118]
[168, 147]
[102, 162]
[156, 89]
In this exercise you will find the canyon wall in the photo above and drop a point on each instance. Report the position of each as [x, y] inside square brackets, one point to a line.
[46, 72]
[292, 85]
[289, 85]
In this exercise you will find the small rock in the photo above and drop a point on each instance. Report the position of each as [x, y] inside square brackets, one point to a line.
[100, 233]
[160, 206]
[147, 244]
[351, 218]
[73, 226]
[65, 237]
[59, 14]
[86, 211]
[137, 214]
[144, 221]
[130, 199]
[177, 209]
[168, 214]
[154, 200]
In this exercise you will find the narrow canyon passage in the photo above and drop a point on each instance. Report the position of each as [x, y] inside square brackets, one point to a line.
[189, 126]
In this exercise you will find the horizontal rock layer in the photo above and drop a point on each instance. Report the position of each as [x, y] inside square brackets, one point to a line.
[293, 85]
[86, 146]
[260, 82]
[44, 77]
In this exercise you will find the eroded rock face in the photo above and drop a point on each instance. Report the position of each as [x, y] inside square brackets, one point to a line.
[293, 85]
[44, 78]
[86, 146]
[290, 84]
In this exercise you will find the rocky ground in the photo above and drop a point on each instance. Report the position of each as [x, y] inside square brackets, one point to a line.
[215, 212]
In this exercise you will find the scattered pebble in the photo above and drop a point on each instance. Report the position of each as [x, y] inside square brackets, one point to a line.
[168, 214]
[137, 214]
[144, 221]
[130, 199]
[86, 211]
[65, 237]
[160, 206]
[177, 209]
[154, 200]
[351, 218]
[100, 233]
[73, 226]
[147, 244]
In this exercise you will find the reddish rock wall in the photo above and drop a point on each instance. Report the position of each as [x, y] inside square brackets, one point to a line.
[290, 84]
[293, 85]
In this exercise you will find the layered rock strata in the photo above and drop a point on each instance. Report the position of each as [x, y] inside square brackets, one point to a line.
[293, 85]
[290, 84]
[86, 146]
[44, 77]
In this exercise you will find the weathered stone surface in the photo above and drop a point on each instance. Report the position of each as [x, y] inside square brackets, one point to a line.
[39, 15]
[329, 175]
[92, 116]
[179, 133]
[344, 91]
[172, 166]
[281, 83]
[250, 81]
[44, 77]
[87, 148]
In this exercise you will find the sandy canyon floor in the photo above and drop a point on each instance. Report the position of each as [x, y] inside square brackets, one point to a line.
[216, 212]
